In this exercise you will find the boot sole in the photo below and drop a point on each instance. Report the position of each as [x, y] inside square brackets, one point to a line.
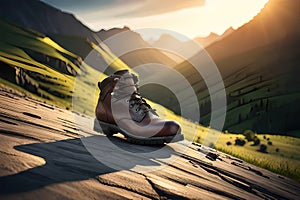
[110, 129]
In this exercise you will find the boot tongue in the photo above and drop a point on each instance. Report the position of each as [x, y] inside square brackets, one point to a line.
[126, 79]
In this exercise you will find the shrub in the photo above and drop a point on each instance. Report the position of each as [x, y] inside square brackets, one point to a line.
[263, 148]
[256, 142]
[249, 135]
[240, 142]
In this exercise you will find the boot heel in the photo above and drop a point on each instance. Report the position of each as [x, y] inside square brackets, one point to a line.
[103, 128]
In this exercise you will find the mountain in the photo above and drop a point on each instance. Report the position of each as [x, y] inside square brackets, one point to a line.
[105, 34]
[170, 45]
[213, 37]
[205, 41]
[259, 63]
[189, 48]
[278, 20]
[48, 20]
[43, 18]
[132, 48]
[167, 40]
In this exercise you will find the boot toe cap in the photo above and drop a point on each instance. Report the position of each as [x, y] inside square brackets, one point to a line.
[170, 128]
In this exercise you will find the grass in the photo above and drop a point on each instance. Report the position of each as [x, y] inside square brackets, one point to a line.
[285, 162]
[279, 165]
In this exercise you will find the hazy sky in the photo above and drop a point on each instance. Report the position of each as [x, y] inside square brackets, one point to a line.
[191, 18]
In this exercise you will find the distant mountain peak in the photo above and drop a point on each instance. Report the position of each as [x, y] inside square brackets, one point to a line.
[228, 31]
[213, 34]
[205, 41]
[125, 28]
[167, 38]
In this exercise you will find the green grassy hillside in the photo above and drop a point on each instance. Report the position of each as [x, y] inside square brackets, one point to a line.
[38, 64]
[24, 55]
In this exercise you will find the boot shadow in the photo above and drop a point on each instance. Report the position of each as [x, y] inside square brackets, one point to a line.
[79, 159]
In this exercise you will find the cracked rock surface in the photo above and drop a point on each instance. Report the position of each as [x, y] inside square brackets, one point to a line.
[50, 153]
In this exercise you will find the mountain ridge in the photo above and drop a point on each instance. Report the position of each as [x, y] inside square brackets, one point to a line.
[266, 27]
[48, 20]
[259, 72]
[31, 14]
[258, 68]
[213, 37]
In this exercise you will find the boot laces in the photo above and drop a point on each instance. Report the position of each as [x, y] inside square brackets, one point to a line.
[135, 99]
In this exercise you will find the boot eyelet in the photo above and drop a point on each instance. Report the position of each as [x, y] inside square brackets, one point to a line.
[127, 100]
[112, 93]
[137, 109]
[116, 79]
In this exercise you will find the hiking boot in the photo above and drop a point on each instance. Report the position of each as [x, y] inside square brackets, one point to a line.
[121, 109]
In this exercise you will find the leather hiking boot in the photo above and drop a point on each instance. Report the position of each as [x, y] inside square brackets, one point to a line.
[121, 109]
